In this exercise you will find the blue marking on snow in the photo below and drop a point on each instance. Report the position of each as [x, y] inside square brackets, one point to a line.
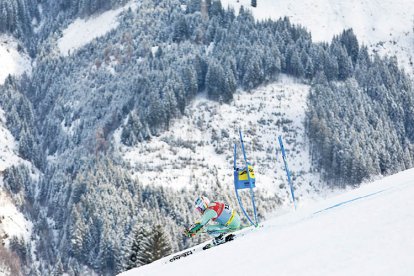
[348, 201]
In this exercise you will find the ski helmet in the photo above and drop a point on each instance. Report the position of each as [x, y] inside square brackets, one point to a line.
[202, 203]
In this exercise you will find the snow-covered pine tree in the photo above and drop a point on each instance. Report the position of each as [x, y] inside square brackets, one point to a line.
[159, 244]
[137, 246]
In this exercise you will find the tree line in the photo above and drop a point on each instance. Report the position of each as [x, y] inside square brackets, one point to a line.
[143, 74]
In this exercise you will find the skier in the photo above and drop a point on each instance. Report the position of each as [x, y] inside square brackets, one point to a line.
[226, 219]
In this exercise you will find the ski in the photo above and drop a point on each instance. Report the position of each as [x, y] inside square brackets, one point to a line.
[183, 254]
[210, 244]
[228, 238]
[194, 250]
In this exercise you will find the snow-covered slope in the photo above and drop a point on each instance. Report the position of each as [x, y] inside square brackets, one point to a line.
[12, 62]
[8, 149]
[366, 231]
[12, 222]
[82, 31]
[386, 26]
[200, 145]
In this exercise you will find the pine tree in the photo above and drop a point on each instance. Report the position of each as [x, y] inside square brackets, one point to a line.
[295, 66]
[11, 180]
[107, 251]
[58, 269]
[159, 244]
[309, 68]
[26, 144]
[137, 255]
[180, 30]
[194, 6]
[77, 234]
[220, 84]
[189, 78]
[331, 67]
[254, 73]
[350, 42]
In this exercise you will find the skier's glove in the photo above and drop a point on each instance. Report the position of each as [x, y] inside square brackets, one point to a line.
[187, 233]
[193, 230]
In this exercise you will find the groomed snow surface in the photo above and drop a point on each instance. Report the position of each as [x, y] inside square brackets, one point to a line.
[366, 231]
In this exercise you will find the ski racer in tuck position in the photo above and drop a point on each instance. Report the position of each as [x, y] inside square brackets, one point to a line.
[226, 218]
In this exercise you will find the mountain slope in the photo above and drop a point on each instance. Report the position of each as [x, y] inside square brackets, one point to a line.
[13, 224]
[201, 142]
[12, 60]
[137, 77]
[8, 152]
[83, 31]
[386, 26]
[12, 221]
[366, 231]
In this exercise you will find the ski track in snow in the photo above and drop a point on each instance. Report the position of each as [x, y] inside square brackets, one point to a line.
[365, 231]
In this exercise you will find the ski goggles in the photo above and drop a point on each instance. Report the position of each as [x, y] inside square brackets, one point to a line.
[200, 205]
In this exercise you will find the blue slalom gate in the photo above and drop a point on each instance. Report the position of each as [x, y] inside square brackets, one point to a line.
[287, 169]
[244, 178]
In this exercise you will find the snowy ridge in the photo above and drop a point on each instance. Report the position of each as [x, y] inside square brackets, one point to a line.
[82, 31]
[385, 26]
[200, 145]
[12, 61]
[366, 231]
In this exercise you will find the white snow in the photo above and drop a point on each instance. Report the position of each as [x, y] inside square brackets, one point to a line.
[12, 222]
[82, 31]
[12, 62]
[386, 26]
[8, 149]
[169, 160]
[366, 231]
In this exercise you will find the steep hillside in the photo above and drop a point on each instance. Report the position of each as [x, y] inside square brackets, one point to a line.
[13, 59]
[8, 151]
[13, 224]
[367, 231]
[385, 26]
[12, 221]
[83, 30]
[128, 113]
[198, 148]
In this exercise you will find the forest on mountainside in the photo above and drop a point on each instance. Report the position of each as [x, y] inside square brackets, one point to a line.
[141, 75]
